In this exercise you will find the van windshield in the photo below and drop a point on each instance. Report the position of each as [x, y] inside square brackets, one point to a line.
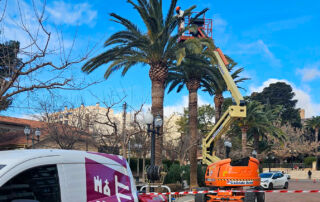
[1, 166]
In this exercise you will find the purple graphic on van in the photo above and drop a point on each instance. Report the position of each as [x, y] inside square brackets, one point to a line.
[115, 158]
[106, 184]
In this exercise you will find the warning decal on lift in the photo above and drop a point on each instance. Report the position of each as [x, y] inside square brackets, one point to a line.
[239, 182]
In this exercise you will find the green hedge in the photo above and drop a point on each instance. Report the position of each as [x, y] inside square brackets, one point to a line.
[308, 160]
[179, 173]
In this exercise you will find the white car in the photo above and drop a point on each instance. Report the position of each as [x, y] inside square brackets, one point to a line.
[274, 180]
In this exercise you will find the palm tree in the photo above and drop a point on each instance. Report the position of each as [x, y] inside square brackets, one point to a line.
[259, 123]
[157, 48]
[314, 123]
[195, 71]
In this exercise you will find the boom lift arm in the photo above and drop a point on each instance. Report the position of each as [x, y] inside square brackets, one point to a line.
[238, 110]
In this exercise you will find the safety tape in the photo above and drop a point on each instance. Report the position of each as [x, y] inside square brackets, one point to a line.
[238, 191]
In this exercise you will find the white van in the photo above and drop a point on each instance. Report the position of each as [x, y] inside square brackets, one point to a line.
[64, 176]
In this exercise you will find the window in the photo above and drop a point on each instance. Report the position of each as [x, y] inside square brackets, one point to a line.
[39, 183]
[2, 166]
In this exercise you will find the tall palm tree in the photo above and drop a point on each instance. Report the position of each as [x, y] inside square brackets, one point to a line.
[195, 71]
[314, 123]
[158, 48]
[259, 123]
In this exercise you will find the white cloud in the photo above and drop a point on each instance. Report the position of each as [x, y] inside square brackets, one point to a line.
[304, 99]
[257, 48]
[71, 14]
[16, 26]
[179, 106]
[310, 72]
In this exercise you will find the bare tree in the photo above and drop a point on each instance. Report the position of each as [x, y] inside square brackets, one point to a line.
[66, 128]
[297, 143]
[43, 63]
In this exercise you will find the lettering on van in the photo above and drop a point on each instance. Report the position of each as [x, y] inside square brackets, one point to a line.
[106, 188]
[104, 183]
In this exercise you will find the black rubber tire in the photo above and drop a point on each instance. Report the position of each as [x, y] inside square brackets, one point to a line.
[250, 197]
[200, 198]
[286, 185]
[260, 196]
[270, 187]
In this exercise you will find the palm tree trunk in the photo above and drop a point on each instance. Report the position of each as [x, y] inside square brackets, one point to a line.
[244, 130]
[157, 109]
[316, 135]
[218, 101]
[158, 75]
[193, 86]
[256, 142]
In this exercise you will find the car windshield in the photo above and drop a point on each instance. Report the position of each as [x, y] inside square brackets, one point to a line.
[265, 175]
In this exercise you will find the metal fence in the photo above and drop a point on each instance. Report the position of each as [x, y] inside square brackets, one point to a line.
[295, 166]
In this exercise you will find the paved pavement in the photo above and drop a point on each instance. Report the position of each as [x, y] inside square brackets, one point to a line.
[297, 197]
[283, 197]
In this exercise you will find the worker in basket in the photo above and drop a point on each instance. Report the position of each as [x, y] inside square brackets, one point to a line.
[181, 18]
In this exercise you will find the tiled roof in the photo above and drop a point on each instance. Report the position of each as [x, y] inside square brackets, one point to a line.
[17, 137]
[13, 120]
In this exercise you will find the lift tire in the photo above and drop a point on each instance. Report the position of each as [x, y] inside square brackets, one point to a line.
[260, 196]
[200, 198]
[250, 197]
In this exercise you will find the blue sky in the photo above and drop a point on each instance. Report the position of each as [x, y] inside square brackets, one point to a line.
[273, 40]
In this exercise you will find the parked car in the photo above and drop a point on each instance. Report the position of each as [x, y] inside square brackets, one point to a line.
[287, 175]
[272, 180]
[64, 176]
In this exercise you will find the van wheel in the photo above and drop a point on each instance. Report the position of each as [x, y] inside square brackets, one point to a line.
[250, 197]
[270, 186]
[260, 196]
[200, 198]
[286, 185]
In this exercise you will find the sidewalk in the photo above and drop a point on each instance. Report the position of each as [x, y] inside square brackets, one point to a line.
[296, 174]
[188, 198]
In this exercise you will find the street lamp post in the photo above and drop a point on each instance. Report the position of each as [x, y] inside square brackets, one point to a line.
[292, 152]
[153, 171]
[37, 132]
[254, 153]
[269, 158]
[228, 146]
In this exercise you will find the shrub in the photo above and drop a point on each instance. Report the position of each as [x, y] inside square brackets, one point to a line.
[308, 160]
[173, 175]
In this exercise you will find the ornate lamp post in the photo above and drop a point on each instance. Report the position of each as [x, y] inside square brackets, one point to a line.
[37, 133]
[292, 152]
[153, 171]
[269, 159]
[228, 146]
[254, 153]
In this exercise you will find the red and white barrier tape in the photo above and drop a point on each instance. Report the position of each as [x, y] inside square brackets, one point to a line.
[216, 191]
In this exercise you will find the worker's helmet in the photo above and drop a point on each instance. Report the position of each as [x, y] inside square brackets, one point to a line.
[177, 8]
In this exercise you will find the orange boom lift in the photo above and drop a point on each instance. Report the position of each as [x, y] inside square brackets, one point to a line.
[225, 176]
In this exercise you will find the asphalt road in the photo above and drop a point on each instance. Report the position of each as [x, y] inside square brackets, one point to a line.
[297, 197]
[284, 197]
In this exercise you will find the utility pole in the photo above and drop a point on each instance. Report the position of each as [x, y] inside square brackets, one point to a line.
[124, 149]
